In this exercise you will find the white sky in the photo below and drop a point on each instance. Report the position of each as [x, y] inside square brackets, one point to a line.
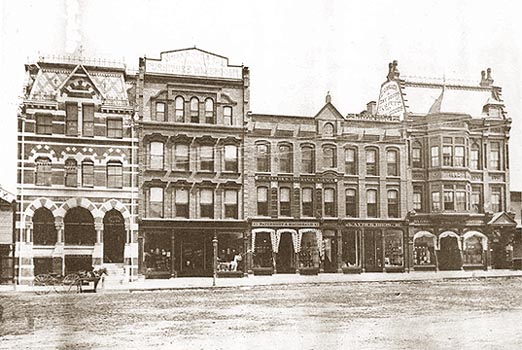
[296, 50]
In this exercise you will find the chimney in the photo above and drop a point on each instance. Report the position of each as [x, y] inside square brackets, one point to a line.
[371, 107]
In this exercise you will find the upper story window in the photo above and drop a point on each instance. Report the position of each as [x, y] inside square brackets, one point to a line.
[71, 119]
[329, 156]
[115, 128]
[206, 203]
[474, 157]
[307, 159]
[392, 161]
[88, 173]
[435, 160]
[460, 199]
[351, 202]
[416, 156]
[447, 155]
[262, 201]
[496, 199]
[179, 109]
[161, 111]
[209, 111]
[114, 174]
[329, 202]
[371, 162]
[417, 200]
[227, 116]
[194, 110]
[308, 203]
[285, 159]
[181, 203]
[231, 204]
[328, 129]
[494, 156]
[231, 163]
[156, 202]
[43, 175]
[156, 155]
[88, 120]
[393, 204]
[435, 201]
[476, 199]
[263, 157]
[371, 203]
[350, 161]
[449, 197]
[459, 156]
[44, 124]
[181, 157]
[71, 173]
[206, 158]
[284, 201]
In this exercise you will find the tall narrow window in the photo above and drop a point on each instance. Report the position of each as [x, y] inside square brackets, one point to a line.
[308, 159]
[496, 200]
[160, 112]
[476, 199]
[494, 156]
[114, 175]
[43, 172]
[284, 201]
[371, 162]
[231, 204]
[88, 120]
[351, 203]
[416, 156]
[285, 159]
[263, 158]
[460, 201]
[435, 160]
[179, 109]
[350, 161]
[71, 119]
[329, 157]
[393, 204]
[156, 202]
[206, 158]
[156, 155]
[417, 201]
[206, 203]
[308, 204]
[371, 201]
[44, 124]
[474, 157]
[181, 157]
[392, 162]
[115, 128]
[209, 111]
[329, 202]
[449, 201]
[447, 155]
[262, 201]
[71, 173]
[231, 158]
[227, 116]
[459, 156]
[181, 203]
[435, 201]
[87, 173]
[194, 110]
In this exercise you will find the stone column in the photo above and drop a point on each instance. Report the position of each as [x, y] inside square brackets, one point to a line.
[59, 251]
[97, 254]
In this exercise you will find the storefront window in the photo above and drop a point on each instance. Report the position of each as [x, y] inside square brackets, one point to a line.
[309, 254]
[350, 252]
[424, 251]
[330, 251]
[393, 252]
[473, 250]
[157, 253]
[263, 250]
[230, 252]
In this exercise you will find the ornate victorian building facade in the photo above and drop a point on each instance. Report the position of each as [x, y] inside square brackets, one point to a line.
[76, 169]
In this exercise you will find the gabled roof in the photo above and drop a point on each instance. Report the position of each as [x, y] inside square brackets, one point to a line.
[79, 69]
[502, 219]
[329, 112]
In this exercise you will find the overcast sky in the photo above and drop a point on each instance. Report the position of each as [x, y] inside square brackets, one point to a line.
[296, 50]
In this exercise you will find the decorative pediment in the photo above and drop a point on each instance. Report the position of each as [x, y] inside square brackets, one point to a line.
[80, 84]
[329, 112]
[226, 99]
[502, 219]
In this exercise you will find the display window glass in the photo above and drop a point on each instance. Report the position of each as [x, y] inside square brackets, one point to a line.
[263, 250]
[473, 250]
[309, 254]
[393, 250]
[157, 253]
[350, 248]
[230, 252]
[424, 251]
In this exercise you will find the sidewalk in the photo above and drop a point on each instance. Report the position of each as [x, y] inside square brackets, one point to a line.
[285, 279]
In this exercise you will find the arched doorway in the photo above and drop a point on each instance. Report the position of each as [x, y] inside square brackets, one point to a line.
[113, 237]
[44, 230]
[449, 255]
[78, 230]
[285, 261]
[424, 246]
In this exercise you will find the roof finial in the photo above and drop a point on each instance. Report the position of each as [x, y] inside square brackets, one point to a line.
[328, 97]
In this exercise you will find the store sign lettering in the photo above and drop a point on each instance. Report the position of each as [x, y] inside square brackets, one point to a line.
[296, 179]
[372, 224]
[390, 100]
[284, 224]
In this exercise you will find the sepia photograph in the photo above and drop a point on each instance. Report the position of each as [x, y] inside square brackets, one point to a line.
[297, 175]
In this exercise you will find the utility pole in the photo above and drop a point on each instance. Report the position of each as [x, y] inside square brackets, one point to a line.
[215, 246]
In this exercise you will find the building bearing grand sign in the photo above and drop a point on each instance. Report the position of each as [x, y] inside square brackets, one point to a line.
[390, 100]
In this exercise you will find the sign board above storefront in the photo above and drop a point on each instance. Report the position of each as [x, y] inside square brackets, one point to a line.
[373, 224]
[390, 100]
[284, 224]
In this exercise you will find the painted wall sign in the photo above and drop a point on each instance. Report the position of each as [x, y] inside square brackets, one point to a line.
[193, 62]
[390, 100]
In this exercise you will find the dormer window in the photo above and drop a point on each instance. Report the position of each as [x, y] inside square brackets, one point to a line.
[328, 129]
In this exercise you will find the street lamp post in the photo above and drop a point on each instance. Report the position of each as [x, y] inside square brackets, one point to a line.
[215, 245]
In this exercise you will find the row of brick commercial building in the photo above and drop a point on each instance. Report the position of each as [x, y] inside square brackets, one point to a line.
[166, 172]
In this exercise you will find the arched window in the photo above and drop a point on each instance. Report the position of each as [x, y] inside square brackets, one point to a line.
[329, 156]
[114, 174]
[262, 201]
[79, 227]
[231, 158]
[194, 110]
[156, 155]
[181, 157]
[88, 173]
[328, 129]
[71, 173]
[307, 159]
[43, 173]
[285, 158]
[44, 230]
[263, 157]
[351, 202]
[393, 204]
[474, 157]
[179, 104]
[372, 161]
[350, 161]
[371, 203]
[209, 111]
[392, 161]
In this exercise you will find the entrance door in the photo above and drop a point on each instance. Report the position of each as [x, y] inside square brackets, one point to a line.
[196, 253]
[373, 251]
[449, 254]
[285, 262]
[113, 237]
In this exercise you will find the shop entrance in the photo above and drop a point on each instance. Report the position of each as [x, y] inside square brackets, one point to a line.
[449, 254]
[196, 253]
[113, 237]
[285, 262]
[373, 251]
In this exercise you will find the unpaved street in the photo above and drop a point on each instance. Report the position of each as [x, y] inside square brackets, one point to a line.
[464, 314]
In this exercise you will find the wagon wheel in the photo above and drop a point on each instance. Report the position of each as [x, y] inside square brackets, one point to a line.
[71, 283]
[42, 283]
